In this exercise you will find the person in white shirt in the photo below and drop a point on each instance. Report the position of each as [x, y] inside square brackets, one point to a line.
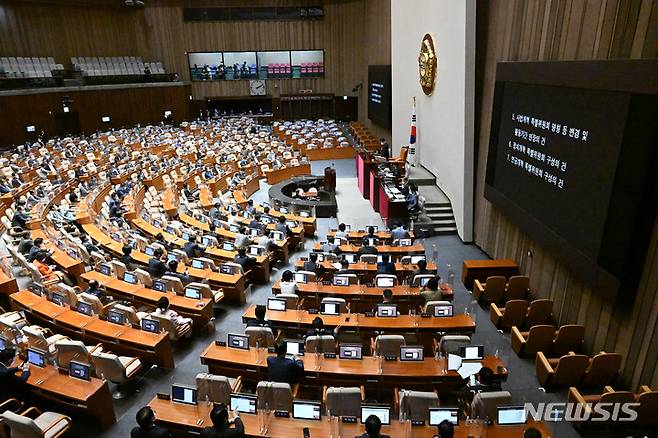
[341, 231]
[162, 308]
[287, 284]
[241, 238]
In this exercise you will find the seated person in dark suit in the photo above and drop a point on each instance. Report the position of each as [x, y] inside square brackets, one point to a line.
[127, 259]
[157, 268]
[386, 266]
[283, 227]
[159, 238]
[260, 320]
[173, 271]
[312, 263]
[373, 426]
[485, 381]
[242, 259]
[37, 249]
[387, 296]
[344, 267]
[94, 288]
[221, 426]
[281, 369]
[367, 249]
[88, 244]
[8, 378]
[19, 219]
[319, 330]
[530, 432]
[421, 270]
[147, 428]
[431, 291]
[371, 235]
[193, 249]
[25, 243]
[445, 430]
[256, 223]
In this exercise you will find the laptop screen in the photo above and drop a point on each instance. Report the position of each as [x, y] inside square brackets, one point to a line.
[304, 214]
[192, 292]
[254, 250]
[382, 412]
[329, 309]
[424, 280]
[385, 282]
[294, 347]
[300, 278]
[283, 210]
[115, 317]
[183, 394]
[411, 353]
[276, 304]
[438, 415]
[387, 310]
[443, 310]
[207, 242]
[244, 403]
[105, 269]
[238, 341]
[351, 258]
[416, 258]
[149, 251]
[228, 246]
[511, 415]
[350, 351]
[79, 370]
[57, 298]
[84, 308]
[36, 357]
[150, 325]
[405, 242]
[130, 277]
[226, 269]
[339, 280]
[306, 410]
[198, 264]
[475, 352]
[159, 285]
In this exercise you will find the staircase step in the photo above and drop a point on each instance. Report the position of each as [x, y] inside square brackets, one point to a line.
[445, 231]
[441, 216]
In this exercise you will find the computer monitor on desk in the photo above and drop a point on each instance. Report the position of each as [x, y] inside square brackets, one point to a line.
[387, 310]
[245, 403]
[306, 410]
[381, 412]
[350, 351]
[330, 308]
[183, 394]
[300, 277]
[438, 415]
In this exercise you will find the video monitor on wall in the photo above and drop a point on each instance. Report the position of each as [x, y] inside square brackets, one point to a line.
[205, 66]
[273, 65]
[571, 152]
[307, 63]
[240, 65]
[379, 95]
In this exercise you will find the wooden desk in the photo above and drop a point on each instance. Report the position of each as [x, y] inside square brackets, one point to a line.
[393, 251]
[233, 285]
[252, 365]
[275, 176]
[367, 271]
[91, 397]
[335, 153]
[200, 311]
[309, 223]
[481, 269]
[362, 297]
[303, 320]
[121, 339]
[358, 235]
[8, 284]
[184, 419]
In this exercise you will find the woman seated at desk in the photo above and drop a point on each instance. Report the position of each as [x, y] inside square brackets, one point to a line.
[162, 308]
[287, 284]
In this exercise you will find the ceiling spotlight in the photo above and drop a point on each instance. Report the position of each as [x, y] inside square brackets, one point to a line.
[129, 3]
[139, 3]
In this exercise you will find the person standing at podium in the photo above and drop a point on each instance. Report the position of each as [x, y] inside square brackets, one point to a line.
[384, 150]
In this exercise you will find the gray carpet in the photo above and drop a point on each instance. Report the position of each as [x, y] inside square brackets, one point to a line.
[448, 250]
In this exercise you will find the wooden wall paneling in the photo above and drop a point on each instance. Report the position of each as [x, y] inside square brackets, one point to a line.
[563, 30]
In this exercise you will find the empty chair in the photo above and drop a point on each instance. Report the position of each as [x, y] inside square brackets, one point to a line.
[42, 338]
[260, 337]
[513, 314]
[539, 312]
[601, 402]
[174, 284]
[68, 350]
[216, 389]
[603, 370]
[116, 369]
[568, 370]
[449, 344]
[340, 302]
[206, 292]
[96, 306]
[311, 276]
[415, 405]
[144, 277]
[132, 316]
[485, 404]
[44, 425]
[320, 344]
[343, 402]
[646, 412]
[517, 288]
[569, 337]
[491, 291]
[118, 267]
[388, 345]
[274, 396]
[538, 338]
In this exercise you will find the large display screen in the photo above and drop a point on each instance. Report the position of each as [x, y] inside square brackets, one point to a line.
[379, 94]
[570, 164]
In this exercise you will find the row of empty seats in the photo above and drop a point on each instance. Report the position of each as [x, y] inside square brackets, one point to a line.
[115, 66]
[26, 67]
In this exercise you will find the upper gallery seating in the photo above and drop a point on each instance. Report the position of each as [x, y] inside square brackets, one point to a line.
[26, 67]
[115, 66]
